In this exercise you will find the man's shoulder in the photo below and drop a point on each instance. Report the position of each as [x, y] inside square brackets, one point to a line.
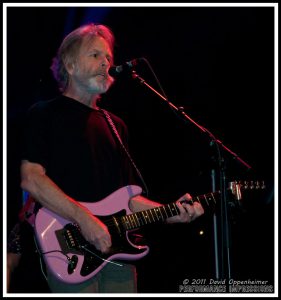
[45, 106]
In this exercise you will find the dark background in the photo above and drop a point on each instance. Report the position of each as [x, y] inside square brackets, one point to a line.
[217, 63]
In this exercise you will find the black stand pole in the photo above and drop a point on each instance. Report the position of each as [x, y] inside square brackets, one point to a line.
[220, 220]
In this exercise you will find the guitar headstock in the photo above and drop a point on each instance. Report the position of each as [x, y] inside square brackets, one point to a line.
[236, 186]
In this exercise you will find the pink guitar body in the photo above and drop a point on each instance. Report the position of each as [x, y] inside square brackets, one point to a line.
[69, 257]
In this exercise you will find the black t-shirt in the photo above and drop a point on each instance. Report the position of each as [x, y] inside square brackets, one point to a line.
[77, 148]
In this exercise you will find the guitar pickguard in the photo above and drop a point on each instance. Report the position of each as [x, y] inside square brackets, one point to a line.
[71, 241]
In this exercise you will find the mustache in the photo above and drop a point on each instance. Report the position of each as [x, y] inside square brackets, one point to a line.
[102, 73]
[110, 80]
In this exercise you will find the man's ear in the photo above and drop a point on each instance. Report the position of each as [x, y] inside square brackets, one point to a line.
[69, 66]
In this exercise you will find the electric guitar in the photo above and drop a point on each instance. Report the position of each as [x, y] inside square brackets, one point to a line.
[73, 260]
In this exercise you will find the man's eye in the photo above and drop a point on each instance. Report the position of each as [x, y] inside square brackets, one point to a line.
[94, 55]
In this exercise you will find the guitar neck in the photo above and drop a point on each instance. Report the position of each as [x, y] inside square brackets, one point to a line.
[161, 213]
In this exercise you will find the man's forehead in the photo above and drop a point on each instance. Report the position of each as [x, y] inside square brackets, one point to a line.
[96, 43]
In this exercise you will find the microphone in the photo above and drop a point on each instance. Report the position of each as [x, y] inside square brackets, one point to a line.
[116, 70]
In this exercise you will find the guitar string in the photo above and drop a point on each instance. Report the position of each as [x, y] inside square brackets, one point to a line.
[111, 223]
[207, 197]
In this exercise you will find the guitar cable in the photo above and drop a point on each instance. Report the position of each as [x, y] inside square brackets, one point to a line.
[40, 258]
[68, 258]
[42, 253]
[109, 261]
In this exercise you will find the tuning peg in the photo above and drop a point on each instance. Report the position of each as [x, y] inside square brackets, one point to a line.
[252, 186]
[259, 185]
[245, 185]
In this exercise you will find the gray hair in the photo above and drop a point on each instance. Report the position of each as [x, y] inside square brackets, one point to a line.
[70, 46]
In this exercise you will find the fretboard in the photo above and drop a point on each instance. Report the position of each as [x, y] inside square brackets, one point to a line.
[161, 213]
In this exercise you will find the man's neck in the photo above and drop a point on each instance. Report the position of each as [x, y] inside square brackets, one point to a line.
[86, 99]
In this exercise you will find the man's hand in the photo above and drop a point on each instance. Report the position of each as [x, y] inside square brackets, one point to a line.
[44, 190]
[188, 212]
[95, 232]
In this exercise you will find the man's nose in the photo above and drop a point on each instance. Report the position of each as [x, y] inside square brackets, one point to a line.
[105, 62]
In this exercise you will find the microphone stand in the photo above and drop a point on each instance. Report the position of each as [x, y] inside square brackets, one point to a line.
[221, 220]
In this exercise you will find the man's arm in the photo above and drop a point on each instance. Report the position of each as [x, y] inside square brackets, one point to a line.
[35, 181]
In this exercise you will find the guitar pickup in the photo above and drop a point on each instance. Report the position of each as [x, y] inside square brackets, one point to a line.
[67, 238]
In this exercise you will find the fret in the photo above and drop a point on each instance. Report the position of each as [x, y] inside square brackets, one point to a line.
[137, 221]
[156, 213]
[151, 212]
[144, 217]
[214, 199]
[131, 224]
[170, 210]
[163, 207]
[159, 211]
[198, 199]
[127, 222]
[211, 198]
[173, 209]
[140, 218]
[131, 218]
[206, 200]
[147, 215]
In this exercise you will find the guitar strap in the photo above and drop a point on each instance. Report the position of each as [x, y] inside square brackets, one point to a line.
[115, 132]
